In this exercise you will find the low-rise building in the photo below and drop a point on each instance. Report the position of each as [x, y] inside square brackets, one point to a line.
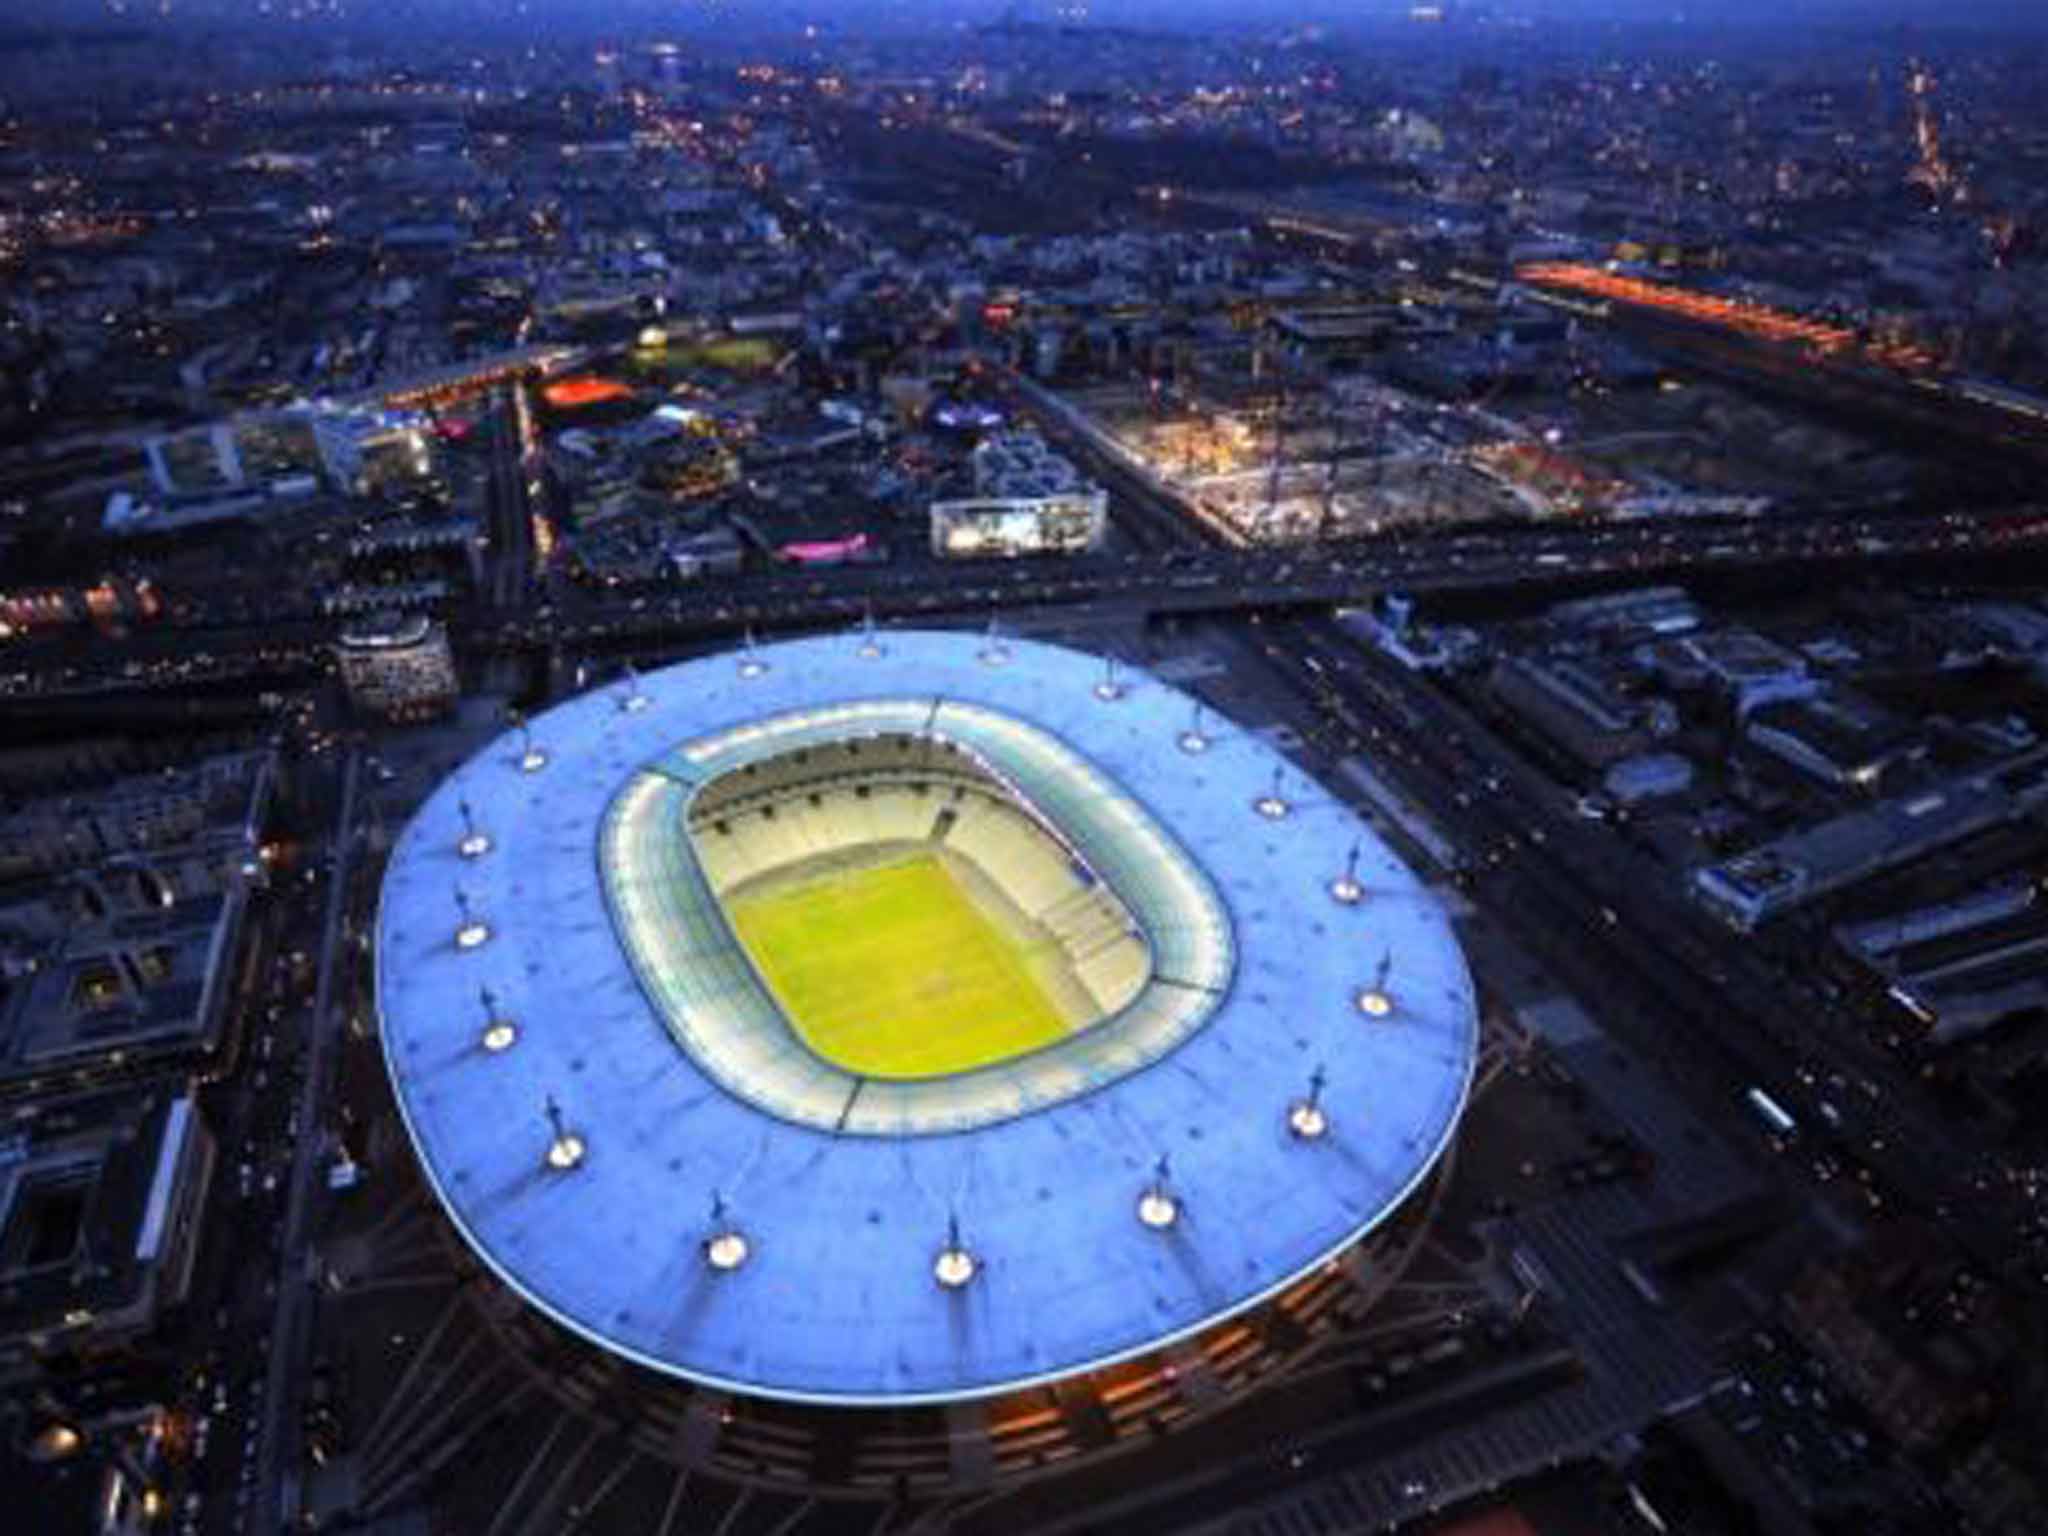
[195, 826]
[1579, 708]
[1748, 669]
[109, 975]
[100, 1196]
[1837, 737]
[1765, 882]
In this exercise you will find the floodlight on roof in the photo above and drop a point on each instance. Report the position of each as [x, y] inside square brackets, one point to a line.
[751, 664]
[726, 1249]
[1376, 1001]
[567, 1149]
[870, 647]
[955, 1266]
[994, 651]
[472, 930]
[1273, 805]
[475, 841]
[1345, 889]
[500, 1033]
[1306, 1118]
[632, 699]
[1158, 1207]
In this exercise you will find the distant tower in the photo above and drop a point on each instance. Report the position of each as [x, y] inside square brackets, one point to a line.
[1931, 170]
[611, 80]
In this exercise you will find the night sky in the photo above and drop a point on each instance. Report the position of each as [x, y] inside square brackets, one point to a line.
[896, 15]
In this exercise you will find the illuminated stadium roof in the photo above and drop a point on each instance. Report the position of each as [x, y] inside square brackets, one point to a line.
[625, 1127]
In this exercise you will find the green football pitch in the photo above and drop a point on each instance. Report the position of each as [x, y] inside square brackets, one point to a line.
[893, 971]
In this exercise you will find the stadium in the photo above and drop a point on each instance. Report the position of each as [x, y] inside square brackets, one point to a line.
[893, 1065]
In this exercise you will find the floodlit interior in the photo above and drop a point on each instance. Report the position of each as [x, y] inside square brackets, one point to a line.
[947, 909]
[910, 915]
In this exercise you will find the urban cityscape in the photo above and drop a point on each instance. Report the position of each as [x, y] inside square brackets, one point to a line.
[1025, 768]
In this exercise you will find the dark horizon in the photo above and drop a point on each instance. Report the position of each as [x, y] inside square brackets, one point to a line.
[843, 19]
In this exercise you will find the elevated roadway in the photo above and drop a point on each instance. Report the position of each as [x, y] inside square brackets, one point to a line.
[1175, 580]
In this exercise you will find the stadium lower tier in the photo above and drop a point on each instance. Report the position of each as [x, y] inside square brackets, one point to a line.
[939, 1451]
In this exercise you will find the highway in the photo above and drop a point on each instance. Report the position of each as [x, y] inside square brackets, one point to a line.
[1183, 579]
[508, 511]
[1616, 929]
[279, 1456]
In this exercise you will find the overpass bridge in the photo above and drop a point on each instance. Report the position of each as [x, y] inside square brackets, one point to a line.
[1157, 583]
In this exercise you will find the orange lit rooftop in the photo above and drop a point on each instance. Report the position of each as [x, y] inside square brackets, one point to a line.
[1760, 321]
[585, 389]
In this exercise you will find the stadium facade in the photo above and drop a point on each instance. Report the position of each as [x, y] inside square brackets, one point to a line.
[695, 1169]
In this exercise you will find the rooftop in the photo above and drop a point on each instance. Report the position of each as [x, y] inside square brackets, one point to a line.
[90, 1190]
[594, 1159]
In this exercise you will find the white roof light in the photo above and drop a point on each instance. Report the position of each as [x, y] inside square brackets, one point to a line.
[1376, 1001]
[1345, 888]
[567, 1149]
[499, 1031]
[1305, 1117]
[475, 841]
[725, 1250]
[1109, 690]
[472, 930]
[1272, 804]
[751, 665]
[1307, 1120]
[1157, 1207]
[1158, 1210]
[954, 1266]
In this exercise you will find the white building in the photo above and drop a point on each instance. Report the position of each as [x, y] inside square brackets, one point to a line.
[1028, 501]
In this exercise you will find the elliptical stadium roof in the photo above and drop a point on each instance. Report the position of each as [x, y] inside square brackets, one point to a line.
[684, 1132]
